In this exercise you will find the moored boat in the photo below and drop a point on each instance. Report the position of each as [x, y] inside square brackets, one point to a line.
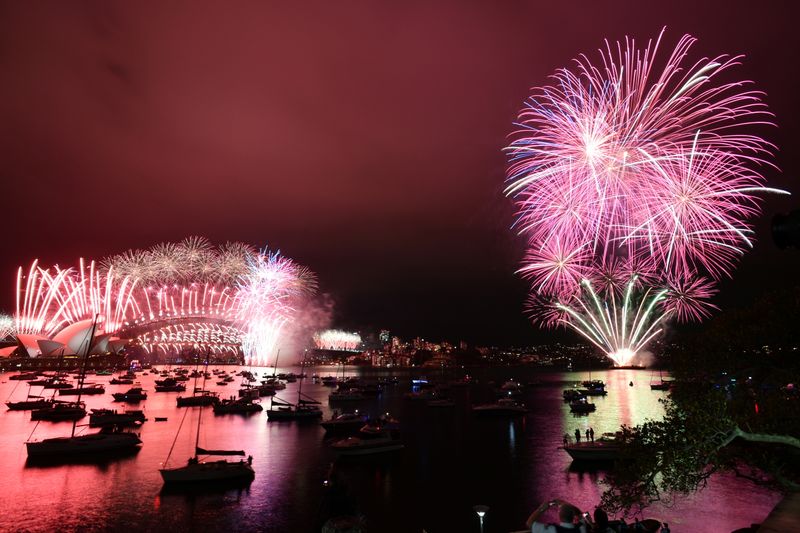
[370, 440]
[344, 423]
[502, 407]
[236, 406]
[105, 441]
[111, 417]
[132, 395]
[582, 406]
[606, 448]
[58, 411]
[86, 389]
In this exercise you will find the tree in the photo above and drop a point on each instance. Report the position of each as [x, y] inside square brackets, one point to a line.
[734, 408]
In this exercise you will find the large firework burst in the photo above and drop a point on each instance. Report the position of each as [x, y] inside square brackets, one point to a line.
[635, 180]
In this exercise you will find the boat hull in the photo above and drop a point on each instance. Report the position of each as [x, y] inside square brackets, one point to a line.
[593, 452]
[83, 445]
[208, 472]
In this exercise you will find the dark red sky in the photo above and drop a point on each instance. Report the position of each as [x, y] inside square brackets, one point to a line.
[361, 138]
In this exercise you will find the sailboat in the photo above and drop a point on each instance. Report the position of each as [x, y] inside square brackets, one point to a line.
[110, 439]
[306, 408]
[197, 471]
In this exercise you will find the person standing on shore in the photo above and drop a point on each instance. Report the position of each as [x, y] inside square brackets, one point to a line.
[591, 434]
[577, 436]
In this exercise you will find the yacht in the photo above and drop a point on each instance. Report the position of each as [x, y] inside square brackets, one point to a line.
[582, 406]
[606, 448]
[105, 441]
[236, 406]
[344, 423]
[502, 407]
[133, 395]
[370, 440]
[111, 417]
[58, 411]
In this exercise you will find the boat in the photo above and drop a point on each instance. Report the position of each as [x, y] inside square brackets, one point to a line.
[29, 376]
[306, 408]
[133, 395]
[205, 398]
[58, 411]
[110, 417]
[236, 406]
[303, 410]
[570, 395]
[593, 392]
[593, 387]
[502, 407]
[57, 383]
[582, 406]
[28, 404]
[274, 383]
[248, 391]
[329, 381]
[663, 385]
[110, 439]
[169, 385]
[370, 440]
[347, 395]
[606, 448]
[86, 389]
[121, 381]
[344, 423]
[198, 472]
[107, 440]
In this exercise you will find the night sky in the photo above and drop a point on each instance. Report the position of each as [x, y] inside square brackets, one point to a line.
[361, 138]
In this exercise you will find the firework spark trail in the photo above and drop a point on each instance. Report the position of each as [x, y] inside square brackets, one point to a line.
[626, 174]
[8, 326]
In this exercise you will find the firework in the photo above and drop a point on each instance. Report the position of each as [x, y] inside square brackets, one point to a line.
[267, 299]
[7, 326]
[172, 297]
[639, 182]
[334, 339]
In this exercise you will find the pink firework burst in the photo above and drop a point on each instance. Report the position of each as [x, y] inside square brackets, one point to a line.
[634, 175]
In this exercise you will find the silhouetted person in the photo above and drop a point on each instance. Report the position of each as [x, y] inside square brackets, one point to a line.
[577, 436]
[587, 435]
[566, 440]
[601, 524]
[591, 434]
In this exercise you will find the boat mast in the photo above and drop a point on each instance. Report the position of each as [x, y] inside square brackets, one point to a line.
[275, 370]
[200, 415]
[83, 368]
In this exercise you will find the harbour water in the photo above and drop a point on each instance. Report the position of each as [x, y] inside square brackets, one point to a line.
[451, 462]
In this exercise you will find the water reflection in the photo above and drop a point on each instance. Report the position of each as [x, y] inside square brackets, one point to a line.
[452, 461]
